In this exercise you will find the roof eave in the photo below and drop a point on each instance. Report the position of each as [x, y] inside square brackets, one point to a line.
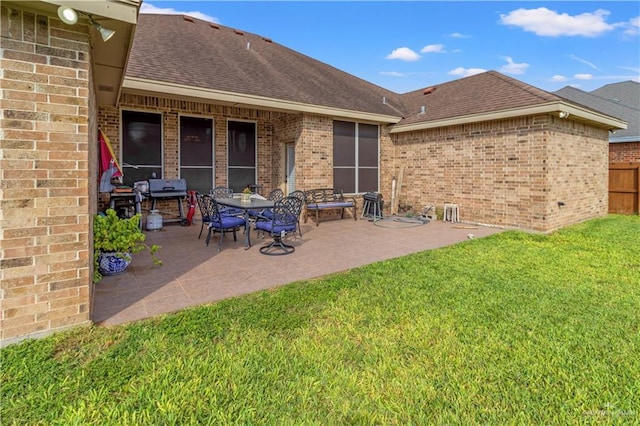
[574, 112]
[150, 87]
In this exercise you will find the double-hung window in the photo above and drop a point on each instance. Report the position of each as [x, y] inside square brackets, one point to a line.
[241, 165]
[196, 152]
[355, 157]
[141, 146]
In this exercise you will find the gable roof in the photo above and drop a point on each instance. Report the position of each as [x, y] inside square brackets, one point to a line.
[611, 106]
[224, 64]
[487, 96]
[187, 58]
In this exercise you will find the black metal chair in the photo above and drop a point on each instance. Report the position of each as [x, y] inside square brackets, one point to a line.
[205, 211]
[225, 192]
[274, 195]
[221, 223]
[284, 221]
[302, 197]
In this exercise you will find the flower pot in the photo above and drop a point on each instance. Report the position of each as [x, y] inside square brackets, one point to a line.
[113, 263]
[245, 198]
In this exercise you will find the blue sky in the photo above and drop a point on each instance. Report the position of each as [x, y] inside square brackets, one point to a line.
[405, 46]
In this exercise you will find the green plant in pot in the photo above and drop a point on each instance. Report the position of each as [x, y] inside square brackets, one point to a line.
[114, 241]
[246, 195]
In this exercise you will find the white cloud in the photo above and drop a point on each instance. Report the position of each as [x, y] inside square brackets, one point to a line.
[545, 22]
[558, 78]
[585, 62]
[151, 9]
[458, 35]
[513, 68]
[632, 27]
[583, 76]
[393, 73]
[433, 48]
[466, 72]
[404, 54]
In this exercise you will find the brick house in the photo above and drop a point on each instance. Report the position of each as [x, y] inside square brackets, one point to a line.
[219, 106]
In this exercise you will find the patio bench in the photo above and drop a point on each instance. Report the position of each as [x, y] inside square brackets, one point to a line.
[327, 199]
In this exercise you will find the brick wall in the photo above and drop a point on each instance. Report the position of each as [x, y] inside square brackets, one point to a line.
[624, 152]
[578, 173]
[45, 208]
[510, 173]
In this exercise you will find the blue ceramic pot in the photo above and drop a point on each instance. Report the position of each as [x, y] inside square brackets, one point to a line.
[113, 263]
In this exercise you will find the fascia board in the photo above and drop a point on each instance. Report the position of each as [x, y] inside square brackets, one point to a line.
[158, 88]
[601, 120]
[124, 11]
[624, 139]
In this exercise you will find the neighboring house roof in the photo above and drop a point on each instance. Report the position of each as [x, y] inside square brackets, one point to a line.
[625, 92]
[612, 106]
[189, 58]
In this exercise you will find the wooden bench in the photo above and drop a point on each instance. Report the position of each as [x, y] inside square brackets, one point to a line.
[327, 199]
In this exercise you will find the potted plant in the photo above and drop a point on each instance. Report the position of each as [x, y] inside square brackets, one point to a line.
[246, 195]
[114, 241]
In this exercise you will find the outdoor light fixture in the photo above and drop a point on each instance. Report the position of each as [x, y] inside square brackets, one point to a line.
[67, 15]
[70, 16]
[105, 33]
[563, 114]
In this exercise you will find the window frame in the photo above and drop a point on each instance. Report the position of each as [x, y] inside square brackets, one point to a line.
[121, 152]
[212, 167]
[356, 167]
[255, 157]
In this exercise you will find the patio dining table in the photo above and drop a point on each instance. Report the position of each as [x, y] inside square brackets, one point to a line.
[253, 204]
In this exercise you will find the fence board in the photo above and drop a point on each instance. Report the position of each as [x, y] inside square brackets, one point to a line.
[624, 188]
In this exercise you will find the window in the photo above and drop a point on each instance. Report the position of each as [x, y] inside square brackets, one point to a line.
[241, 166]
[141, 146]
[196, 153]
[355, 157]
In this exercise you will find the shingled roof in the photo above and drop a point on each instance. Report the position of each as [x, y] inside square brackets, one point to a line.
[191, 52]
[187, 57]
[478, 94]
[613, 106]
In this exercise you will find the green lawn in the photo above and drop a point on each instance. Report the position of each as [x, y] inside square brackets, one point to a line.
[516, 328]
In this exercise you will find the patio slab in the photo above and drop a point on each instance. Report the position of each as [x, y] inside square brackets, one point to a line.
[194, 274]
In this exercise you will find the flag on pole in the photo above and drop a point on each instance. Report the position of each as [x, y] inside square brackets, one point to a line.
[109, 167]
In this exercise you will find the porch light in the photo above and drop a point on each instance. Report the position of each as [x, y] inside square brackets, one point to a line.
[70, 16]
[105, 33]
[67, 15]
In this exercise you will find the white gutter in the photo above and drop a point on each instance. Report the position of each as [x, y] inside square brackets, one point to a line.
[144, 86]
[574, 112]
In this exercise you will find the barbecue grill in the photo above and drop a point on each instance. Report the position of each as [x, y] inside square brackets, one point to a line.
[168, 189]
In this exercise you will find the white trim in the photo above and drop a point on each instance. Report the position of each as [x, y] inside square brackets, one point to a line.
[624, 139]
[574, 111]
[158, 88]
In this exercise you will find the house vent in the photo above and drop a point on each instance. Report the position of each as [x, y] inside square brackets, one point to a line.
[429, 90]
[268, 40]
[238, 32]
[423, 109]
[384, 100]
[248, 45]
[187, 18]
[104, 88]
[216, 26]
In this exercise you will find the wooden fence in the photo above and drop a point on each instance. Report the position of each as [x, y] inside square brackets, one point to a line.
[624, 188]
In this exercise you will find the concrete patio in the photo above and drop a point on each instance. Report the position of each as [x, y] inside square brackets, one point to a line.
[194, 274]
